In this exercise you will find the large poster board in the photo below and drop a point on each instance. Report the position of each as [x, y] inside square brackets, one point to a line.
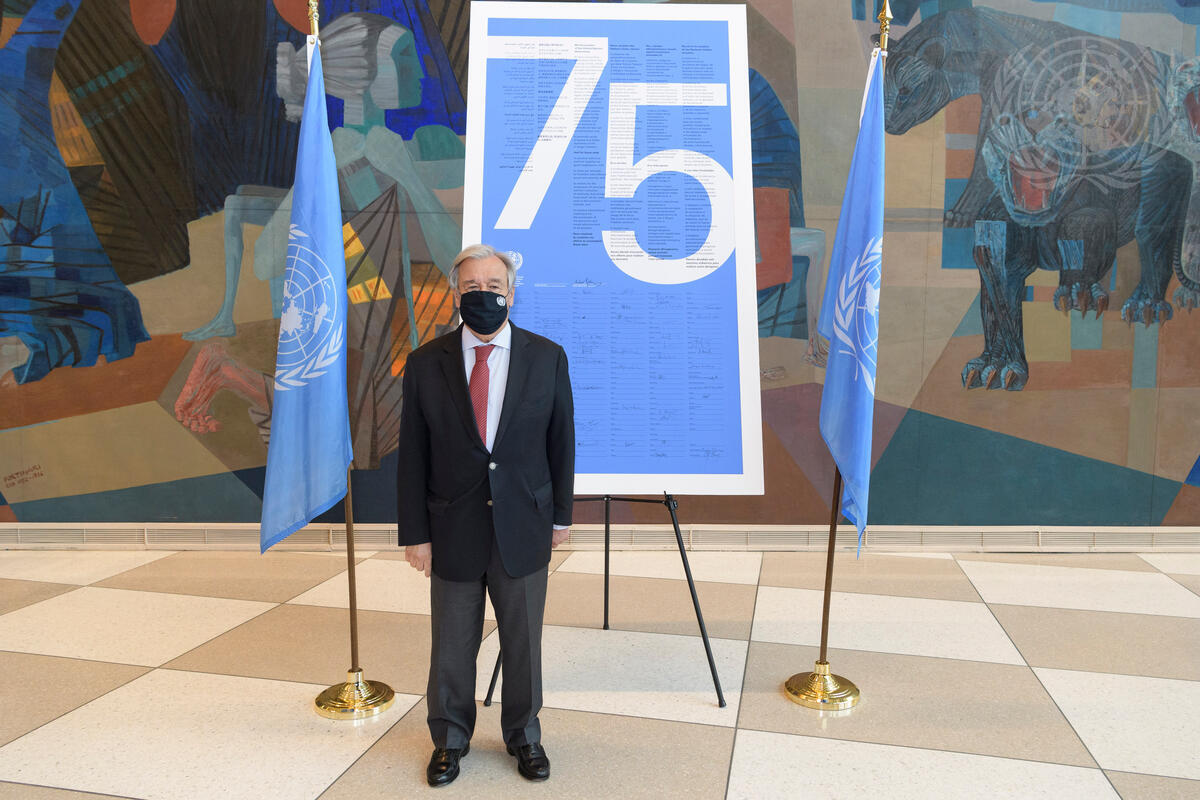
[608, 148]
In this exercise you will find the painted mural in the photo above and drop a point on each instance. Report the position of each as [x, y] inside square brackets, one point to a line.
[1039, 356]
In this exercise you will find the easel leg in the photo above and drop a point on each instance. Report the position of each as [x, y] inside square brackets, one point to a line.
[687, 569]
[487, 701]
[607, 547]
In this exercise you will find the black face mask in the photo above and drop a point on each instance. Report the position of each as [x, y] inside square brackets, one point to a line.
[484, 312]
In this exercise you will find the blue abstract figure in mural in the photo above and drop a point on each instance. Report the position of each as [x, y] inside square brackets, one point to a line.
[1078, 152]
[59, 294]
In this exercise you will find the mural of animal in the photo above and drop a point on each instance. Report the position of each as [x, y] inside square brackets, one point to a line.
[951, 55]
[1078, 237]
[1069, 120]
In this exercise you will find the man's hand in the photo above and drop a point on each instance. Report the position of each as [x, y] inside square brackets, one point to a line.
[420, 556]
[560, 536]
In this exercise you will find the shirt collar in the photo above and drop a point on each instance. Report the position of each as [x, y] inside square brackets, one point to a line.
[503, 338]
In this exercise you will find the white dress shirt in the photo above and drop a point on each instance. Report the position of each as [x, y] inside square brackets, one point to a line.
[497, 377]
[497, 373]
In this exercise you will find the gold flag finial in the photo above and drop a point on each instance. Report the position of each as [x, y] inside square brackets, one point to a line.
[312, 17]
[885, 22]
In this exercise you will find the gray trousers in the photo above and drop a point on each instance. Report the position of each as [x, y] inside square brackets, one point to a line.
[457, 614]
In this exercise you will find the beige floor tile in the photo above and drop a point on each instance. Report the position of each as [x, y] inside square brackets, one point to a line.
[557, 557]
[272, 577]
[79, 567]
[591, 756]
[359, 555]
[1190, 581]
[767, 766]
[311, 644]
[184, 735]
[914, 626]
[18, 594]
[636, 674]
[23, 791]
[382, 585]
[919, 554]
[1134, 786]
[71, 682]
[389, 555]
[1130, 723]
[122, 626]
[1081, 588]
[940, 704]
[1122, 561]
[932, 578]
[710, 566]
[1104, 641]
[649, 604]
[1182, 563]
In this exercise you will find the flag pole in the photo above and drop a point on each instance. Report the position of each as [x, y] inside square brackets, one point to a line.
[356, 698]
[821, 689]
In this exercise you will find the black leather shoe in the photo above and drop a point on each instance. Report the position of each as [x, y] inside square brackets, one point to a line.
[443, 765]
[531, 761]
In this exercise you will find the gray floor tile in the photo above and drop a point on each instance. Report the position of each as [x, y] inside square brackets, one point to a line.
[653, 605]
[931, 578]
[1104, 641]
[933, 703]
[311, 644]
[69, 683]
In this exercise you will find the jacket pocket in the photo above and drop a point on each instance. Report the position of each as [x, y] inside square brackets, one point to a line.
[436, 505]
[543, 496]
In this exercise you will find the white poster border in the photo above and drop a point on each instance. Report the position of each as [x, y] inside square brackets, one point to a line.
[750, 481]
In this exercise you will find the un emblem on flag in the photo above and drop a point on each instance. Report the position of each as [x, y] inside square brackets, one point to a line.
[856, 315]
[310, 332]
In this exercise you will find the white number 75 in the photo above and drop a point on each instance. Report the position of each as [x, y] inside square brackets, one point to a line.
[622, 174]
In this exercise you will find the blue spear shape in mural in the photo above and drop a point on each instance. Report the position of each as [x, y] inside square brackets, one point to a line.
[58, 292]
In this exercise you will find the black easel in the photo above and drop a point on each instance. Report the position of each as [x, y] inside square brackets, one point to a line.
[671, 504]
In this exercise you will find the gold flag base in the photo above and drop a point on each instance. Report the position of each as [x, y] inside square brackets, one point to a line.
[354, 699]
[821, 689]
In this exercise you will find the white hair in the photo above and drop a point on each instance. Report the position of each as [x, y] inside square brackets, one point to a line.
[481, 252]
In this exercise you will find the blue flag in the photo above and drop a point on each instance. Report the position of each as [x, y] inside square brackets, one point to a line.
[310, 426]
[850, 309]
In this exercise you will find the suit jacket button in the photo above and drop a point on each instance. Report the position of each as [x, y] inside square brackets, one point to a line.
[489, 502]
[492, 465]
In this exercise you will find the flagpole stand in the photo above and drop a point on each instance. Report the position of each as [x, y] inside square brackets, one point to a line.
[355, 699]
[821, 689]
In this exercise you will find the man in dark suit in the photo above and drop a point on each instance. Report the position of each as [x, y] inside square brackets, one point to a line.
[486, 478]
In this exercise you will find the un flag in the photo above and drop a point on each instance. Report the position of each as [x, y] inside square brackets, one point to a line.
[310, 447]
[850, 309]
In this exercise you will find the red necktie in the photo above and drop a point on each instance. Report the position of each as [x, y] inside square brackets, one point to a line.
[479, 388]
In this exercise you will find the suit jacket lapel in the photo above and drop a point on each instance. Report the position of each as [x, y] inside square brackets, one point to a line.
[518, 370]
[456, 379]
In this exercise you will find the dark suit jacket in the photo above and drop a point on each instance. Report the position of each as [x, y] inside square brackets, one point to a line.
[452, 492]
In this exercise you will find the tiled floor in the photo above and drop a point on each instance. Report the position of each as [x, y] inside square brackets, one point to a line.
[191, 675]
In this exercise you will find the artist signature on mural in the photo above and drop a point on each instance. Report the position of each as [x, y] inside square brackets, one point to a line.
[23, 476]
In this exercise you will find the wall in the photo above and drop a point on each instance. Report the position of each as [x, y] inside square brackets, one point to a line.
[143, 203]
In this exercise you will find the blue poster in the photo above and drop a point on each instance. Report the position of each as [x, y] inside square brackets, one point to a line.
[608, 151]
